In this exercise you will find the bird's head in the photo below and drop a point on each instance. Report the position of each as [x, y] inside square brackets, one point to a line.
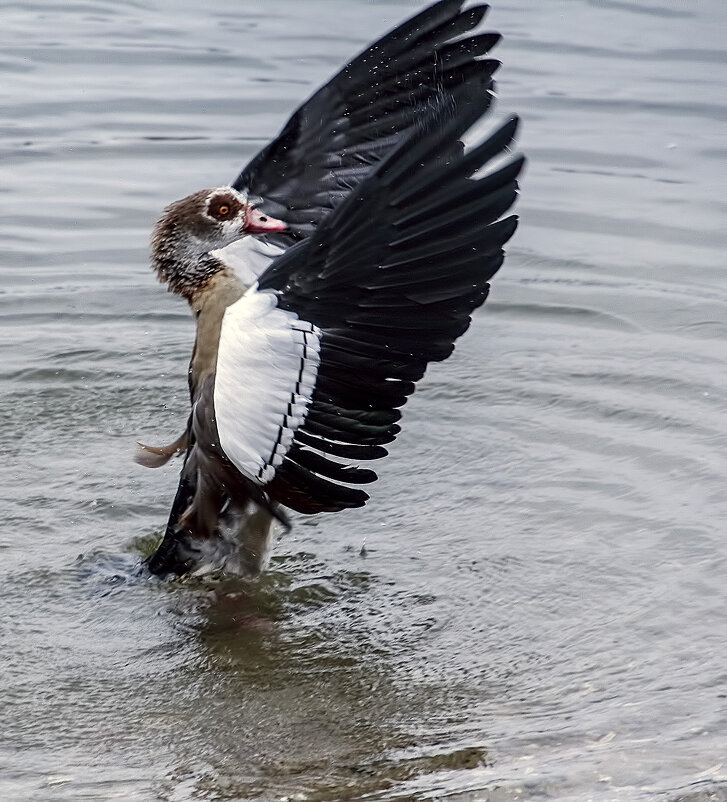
[203, 222]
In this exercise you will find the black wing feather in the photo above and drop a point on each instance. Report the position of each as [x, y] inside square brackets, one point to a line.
[353, 122]
[391, 279]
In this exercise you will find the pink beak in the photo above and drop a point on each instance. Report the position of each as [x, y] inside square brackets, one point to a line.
[256, 222]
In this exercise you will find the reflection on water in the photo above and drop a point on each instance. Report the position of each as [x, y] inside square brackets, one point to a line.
[538, 611]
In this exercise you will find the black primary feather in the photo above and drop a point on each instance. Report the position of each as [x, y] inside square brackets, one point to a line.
[349, 125]
[391, 278]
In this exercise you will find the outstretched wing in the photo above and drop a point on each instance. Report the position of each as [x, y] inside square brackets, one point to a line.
[316, 359]
[332, 141]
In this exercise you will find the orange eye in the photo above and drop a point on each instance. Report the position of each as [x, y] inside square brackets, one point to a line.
[223, 211]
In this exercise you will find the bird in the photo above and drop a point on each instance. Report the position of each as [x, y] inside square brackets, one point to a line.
[347, 255]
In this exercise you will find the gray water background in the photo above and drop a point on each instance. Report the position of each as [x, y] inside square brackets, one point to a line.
[539, 610]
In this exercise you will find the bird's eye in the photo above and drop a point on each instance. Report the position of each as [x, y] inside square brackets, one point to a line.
[223, 208]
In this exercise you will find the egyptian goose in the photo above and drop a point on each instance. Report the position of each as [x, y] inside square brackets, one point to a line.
[346, 256]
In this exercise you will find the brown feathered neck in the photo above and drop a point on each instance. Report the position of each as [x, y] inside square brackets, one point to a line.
[180, 247]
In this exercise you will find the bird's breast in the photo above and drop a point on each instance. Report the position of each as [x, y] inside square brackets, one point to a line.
[209, 305]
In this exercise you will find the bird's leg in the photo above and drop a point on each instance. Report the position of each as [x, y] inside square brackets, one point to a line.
[201, 517]
[256, 537]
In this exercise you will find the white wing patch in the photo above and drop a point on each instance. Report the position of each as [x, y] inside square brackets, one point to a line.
[249, 257]
[267, 366]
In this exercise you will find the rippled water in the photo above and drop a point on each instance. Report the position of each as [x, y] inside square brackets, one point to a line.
[539, 609]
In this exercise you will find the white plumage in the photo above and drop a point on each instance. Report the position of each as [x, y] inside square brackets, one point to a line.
[266, 371]
[248, 257]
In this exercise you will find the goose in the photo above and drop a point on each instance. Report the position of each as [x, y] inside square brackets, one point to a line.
[344, 258]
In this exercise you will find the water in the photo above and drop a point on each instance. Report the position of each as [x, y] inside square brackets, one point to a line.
[539, 609]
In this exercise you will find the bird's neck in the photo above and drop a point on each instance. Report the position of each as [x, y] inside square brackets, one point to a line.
[181, 260]
[184, 272]
[208, 305]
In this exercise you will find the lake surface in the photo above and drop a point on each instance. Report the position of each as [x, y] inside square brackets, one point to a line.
[533, 604]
